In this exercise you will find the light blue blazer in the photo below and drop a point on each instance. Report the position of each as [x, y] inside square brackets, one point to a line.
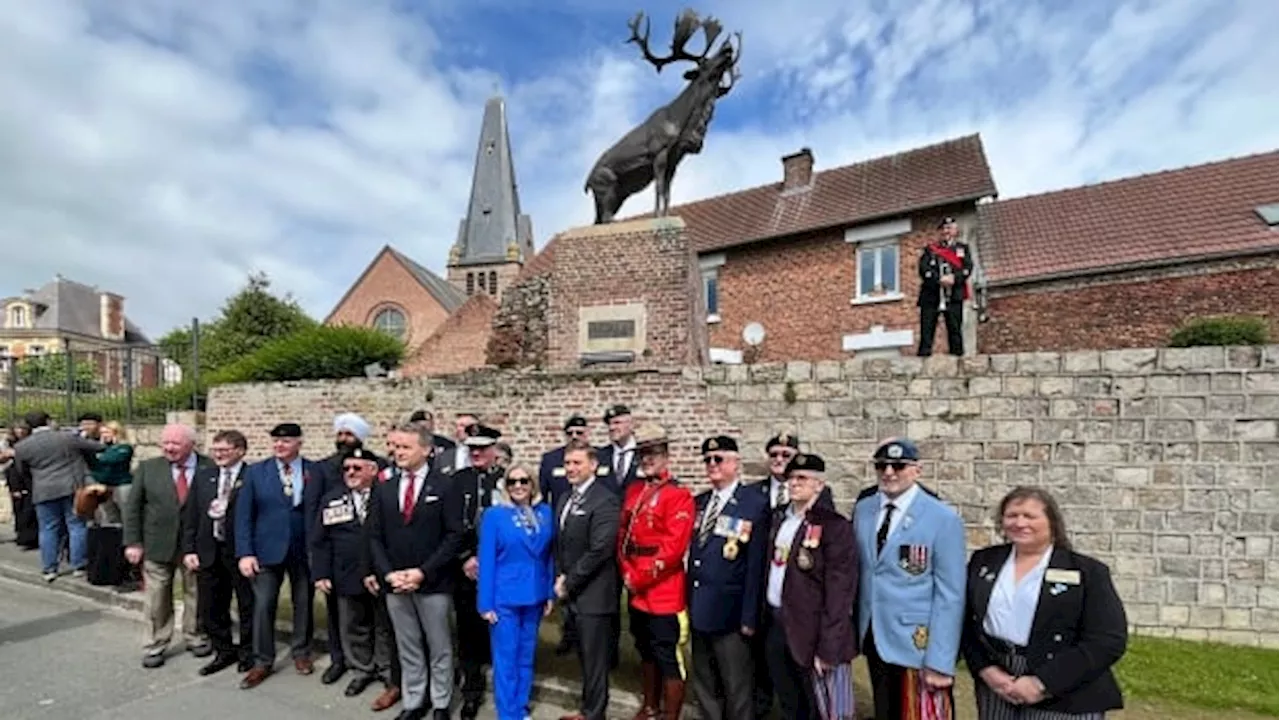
[516, 563]
[912, 594]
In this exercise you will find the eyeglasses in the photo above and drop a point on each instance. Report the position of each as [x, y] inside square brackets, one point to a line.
[350, 469]
[782, 454]
[897, 466]
[518, 480]
[714, 459]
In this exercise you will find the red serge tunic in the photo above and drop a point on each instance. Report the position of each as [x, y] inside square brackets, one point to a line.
[653, 537]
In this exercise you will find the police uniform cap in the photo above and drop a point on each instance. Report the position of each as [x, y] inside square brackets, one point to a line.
[575, 421]
[948, 220]
[897, 450]
[479, 435]
[651, 436]
[616, 411]
[783, 439]
[287, 430]
[811, 463]
[719, 443]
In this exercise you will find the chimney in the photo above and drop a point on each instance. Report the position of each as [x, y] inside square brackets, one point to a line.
[111, 316]
[797, 170]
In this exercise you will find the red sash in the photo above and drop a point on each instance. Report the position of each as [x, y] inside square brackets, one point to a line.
[952, 259]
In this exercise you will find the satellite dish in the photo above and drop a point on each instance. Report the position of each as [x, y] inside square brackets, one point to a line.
[753, 334]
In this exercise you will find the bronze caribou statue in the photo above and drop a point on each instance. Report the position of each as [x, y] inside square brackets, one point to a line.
[652, 151]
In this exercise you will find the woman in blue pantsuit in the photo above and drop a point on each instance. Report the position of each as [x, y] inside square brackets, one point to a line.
[515, 586]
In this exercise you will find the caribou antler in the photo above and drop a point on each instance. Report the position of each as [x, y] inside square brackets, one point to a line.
[687, 23]
[733, 73]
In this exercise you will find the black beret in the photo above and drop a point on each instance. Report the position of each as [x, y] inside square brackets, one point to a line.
[616, 411]
[481, 436]
[575, 421]
[419, 416]
[289, 430]
[91, 416]
[360, 453]
[812, 463]
[719, 443]
[784, 439]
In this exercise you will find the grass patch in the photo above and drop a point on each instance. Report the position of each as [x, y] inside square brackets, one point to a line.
[1204, 675]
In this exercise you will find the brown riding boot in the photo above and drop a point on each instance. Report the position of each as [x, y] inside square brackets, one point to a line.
[672, 698]
[651, 688]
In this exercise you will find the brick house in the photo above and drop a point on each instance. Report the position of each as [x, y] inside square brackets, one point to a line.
[1123, 263]
[64, 315]
[826, 261]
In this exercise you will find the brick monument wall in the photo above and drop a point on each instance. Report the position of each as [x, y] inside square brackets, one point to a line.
[1165, 461]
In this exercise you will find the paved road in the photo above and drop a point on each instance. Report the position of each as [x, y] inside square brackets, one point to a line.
[63, 657]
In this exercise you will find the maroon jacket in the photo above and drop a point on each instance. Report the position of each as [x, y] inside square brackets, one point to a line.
[818, 602]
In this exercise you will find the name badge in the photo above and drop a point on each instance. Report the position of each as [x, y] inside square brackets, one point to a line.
[1065, 577]
[602, 470]
[557, 472]
[338, 514]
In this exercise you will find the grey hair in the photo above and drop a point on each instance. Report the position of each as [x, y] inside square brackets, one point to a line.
[418, 431]
[188, 432]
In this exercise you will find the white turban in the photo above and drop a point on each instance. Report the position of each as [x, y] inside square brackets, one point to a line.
[353, 424]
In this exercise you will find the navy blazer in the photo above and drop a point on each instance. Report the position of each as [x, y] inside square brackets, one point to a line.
[262, 512]
[604, 455]
[340, 544]
[725, 594]
[551, 476]
[517, 566]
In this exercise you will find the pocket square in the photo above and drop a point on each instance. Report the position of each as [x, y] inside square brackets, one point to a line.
[431, 498]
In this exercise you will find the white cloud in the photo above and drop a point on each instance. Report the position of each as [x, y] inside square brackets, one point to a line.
[165, 149]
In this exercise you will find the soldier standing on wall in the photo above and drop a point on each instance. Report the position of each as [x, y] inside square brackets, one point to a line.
[944, 268]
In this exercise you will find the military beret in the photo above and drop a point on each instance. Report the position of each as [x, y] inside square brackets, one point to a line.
[420, 416]
[812, 463]
[287, 430]
[575, 421]
[782, 439]
[897, 450]
[481, 436]
[91, 417]
[616, 411]
[360, 453]
[719, 443]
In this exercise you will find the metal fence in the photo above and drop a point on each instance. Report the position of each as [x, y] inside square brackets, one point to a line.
[133, 384]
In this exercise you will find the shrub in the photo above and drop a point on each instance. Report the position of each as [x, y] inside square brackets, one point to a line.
[318, 353]
[1227, 330]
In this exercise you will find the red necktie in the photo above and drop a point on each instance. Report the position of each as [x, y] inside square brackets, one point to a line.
[182, 484]
[409, 498]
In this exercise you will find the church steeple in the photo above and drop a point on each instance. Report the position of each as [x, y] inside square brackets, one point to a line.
[494, 231]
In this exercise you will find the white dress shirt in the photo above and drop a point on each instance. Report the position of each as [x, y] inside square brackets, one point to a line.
[719, 499]
[777, 573]
[900, 504]
[1013, 603]
[575, 496]
[777, 485]
[623, 457]
[413, 479]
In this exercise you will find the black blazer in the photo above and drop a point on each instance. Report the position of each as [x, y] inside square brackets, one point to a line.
[930, 268]
[197, 526]
[1078, 633]
[429, 541]
[339, 550]
[604, 456]
[586, 548]
[825, 500]
[476, 489]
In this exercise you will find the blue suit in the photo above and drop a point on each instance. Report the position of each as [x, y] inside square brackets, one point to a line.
[913, 594]
[517, 574]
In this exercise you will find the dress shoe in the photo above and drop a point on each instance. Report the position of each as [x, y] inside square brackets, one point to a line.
[470, 709]
[254, 678]
[575, 716]
[333, 673]
[358, 685]
[304, 666]
[417, 714]
[439, 715]
[201, 650]
[387, 699]
[153, 661]
[221, 662]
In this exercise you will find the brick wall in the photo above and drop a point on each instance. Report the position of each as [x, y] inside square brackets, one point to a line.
[459, 343]
[1165, 460]
[1139, 309]
[503, 273]
[801, 289]
[388, 284]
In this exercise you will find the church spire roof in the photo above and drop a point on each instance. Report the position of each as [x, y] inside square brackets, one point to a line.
[494, 230]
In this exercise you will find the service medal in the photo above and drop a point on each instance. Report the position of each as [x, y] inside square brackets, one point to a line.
[812, 537]
[920, 637]
[804, 560]
[731, 550]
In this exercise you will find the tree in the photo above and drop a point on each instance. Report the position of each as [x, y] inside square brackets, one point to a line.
[49, 372]
[248, 320]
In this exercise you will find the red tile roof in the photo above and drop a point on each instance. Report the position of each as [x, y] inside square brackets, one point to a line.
[949, 172]
[1205, 210]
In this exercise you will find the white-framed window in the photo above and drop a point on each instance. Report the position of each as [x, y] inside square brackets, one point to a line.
[710, 266]
[18, 316]
[35, 350]
[390, 321]
[877, 260]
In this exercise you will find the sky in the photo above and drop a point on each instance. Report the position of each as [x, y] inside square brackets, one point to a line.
[165, 150]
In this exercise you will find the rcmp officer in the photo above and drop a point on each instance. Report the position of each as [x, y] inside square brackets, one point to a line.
[911, 556]
[653, 537]
[944, 268]
[726, 578]
[478, 486]
[554, 483]
[339, 564]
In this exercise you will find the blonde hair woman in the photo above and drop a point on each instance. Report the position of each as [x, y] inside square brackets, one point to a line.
[515, 585]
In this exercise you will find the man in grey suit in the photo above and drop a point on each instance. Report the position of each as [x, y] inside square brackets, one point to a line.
[55, 463]
[152, 532]
[587, 572]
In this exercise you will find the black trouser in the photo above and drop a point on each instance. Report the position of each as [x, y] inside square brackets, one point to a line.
[266, 595]
[596, 643]
[215, 587]
[763, 689]
[334, 632]
[953, 316]
[886, 681]
[473, 640]
[658, 642]
[792, 683]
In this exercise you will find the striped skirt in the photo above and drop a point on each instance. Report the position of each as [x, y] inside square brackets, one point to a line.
[833, 693]
[993, 707]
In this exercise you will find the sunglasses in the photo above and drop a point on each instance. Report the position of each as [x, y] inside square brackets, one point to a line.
[782, 454]
[518, 480]
[350, 468]
[575, 432]
[897, 466]
[714, 459]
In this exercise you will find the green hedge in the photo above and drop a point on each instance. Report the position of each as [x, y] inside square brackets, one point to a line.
[318, 353]
[1217, 331]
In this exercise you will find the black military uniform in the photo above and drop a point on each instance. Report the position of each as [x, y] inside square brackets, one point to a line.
[946, 257]
[477, 488]
[555, 485]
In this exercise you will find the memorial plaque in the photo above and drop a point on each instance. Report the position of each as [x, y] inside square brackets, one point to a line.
[611, 328]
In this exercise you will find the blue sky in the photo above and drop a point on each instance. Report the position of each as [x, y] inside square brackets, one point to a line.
[165, 149]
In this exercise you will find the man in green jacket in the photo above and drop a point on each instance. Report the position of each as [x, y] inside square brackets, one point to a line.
[152, 528]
